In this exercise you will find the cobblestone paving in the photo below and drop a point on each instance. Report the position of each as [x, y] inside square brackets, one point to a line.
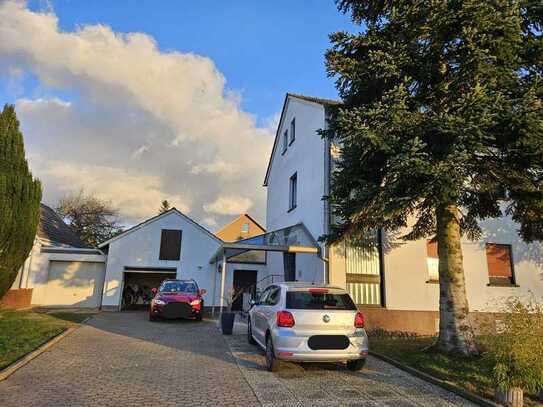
[121, 359]
[312, 384]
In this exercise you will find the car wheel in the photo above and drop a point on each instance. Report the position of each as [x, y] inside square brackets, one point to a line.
[272, 364]
[356, 365]
[199, 316]
[250, 338]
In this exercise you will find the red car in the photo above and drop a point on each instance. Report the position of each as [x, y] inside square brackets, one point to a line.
[177, 299]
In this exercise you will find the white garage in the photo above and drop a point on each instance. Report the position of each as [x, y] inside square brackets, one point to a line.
[75, 283]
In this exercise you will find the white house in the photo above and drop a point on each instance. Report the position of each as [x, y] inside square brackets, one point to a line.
[396, 284]
[60, 270]
[169, 245]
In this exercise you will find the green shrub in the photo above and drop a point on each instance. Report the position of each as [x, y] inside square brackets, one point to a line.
[517, 348]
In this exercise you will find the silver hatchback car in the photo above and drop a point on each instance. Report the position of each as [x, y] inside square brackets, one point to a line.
[301, 322]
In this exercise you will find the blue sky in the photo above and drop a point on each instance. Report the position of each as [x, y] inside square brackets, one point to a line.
[263, 48]
[140, 101]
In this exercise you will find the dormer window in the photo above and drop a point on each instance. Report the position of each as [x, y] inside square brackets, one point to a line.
[292, 131]
[285, 142]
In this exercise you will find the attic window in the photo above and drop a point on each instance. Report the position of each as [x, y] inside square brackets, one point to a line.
[285, 142]
[170, 244]
[245, 228]
[292, 131]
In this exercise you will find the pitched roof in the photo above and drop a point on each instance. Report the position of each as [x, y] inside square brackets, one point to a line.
[154, 218]
[229, 232]
[321, 101]
[53, 231]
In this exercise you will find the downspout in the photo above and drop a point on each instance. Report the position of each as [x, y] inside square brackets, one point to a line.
[326, 203]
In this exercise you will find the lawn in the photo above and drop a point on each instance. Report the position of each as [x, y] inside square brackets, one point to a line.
[23, 331]
[474, 374]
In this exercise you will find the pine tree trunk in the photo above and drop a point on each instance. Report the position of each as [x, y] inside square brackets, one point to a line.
[455, 332]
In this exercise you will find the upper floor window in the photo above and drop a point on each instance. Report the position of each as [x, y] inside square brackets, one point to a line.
[292, 131]
[500, 265]
[170, 244]
[293, 191]
[432, 260]
[285, 141]
[245, 228]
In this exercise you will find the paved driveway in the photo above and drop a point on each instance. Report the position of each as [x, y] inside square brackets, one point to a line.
[121, 359]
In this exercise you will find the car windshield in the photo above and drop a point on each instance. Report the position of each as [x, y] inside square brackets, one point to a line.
[179, 287]
[309, 300]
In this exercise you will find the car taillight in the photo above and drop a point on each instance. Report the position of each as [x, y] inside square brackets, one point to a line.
[359, 320]
[285, 319]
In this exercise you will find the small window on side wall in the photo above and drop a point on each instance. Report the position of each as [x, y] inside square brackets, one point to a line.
[432, 260]
[170, 244]
[285, 142]
[245, 228]
[293, 192]
[292, 131]
[500, 264]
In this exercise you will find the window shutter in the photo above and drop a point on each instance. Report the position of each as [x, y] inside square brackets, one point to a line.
[170, 244]
[431, 249]
[500, 268]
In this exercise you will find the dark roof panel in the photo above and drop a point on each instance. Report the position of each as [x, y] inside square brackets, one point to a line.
[55, 232]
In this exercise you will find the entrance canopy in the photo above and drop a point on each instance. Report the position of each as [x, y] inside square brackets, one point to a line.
[292, 239]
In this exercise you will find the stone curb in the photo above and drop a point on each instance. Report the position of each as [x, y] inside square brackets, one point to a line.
[9, 370]
[438, 382]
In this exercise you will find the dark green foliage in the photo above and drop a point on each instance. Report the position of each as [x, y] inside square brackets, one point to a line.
[164, 206]
[442, 105]
[20, 196]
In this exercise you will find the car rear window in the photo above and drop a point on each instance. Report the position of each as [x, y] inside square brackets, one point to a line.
[309, 300]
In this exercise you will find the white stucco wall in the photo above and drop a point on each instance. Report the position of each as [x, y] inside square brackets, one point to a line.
[406, 272]
[306, 157]
[37, 268]
[141, 247]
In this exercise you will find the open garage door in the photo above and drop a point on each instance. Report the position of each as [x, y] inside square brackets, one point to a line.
[138, 284]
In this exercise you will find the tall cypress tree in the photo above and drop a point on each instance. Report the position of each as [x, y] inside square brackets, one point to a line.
[442, 124]
[20, 196]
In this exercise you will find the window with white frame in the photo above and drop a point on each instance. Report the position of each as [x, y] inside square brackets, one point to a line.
[245, 228]
[293, 191]
[292, 131]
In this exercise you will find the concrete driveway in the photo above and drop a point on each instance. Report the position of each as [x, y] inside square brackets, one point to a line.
[122, 359]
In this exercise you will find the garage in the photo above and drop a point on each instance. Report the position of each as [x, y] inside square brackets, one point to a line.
[138, 283]
[75, 283]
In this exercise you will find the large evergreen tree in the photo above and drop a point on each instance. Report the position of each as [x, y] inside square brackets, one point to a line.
[20, 196]
[442, 124]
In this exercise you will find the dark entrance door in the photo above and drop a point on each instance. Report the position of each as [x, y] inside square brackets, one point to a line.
[289, 263]
[243, 280]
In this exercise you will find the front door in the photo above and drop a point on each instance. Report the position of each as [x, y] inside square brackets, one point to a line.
[244, 281]
[289, 264]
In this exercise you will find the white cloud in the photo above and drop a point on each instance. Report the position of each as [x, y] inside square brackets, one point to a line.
[145, 123]
[229, 205]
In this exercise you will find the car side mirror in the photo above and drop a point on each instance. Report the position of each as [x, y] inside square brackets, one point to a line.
[154, 290]
[202, 292]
